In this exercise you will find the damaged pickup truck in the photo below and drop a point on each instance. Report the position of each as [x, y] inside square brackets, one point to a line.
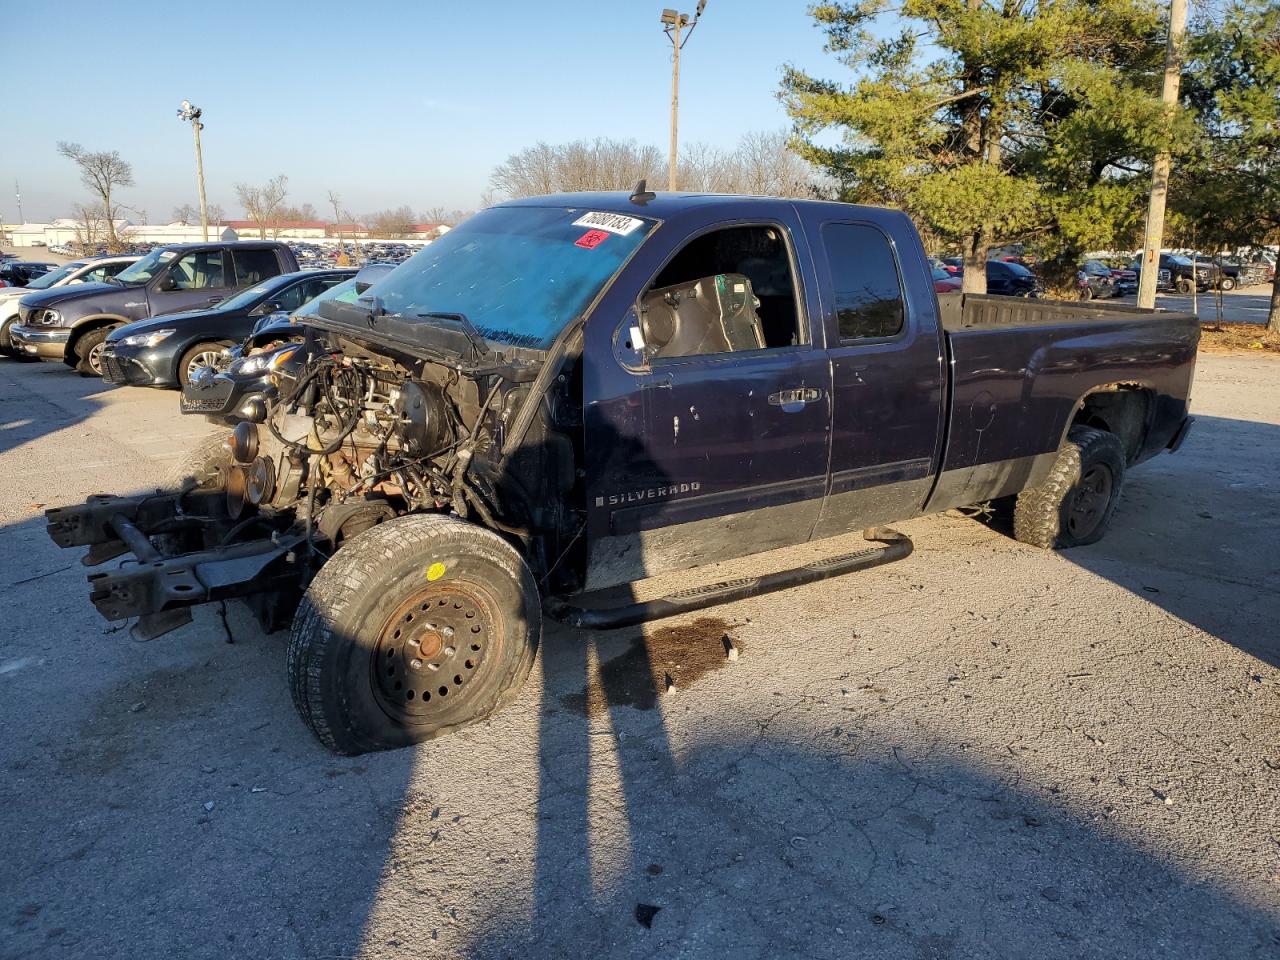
[570, 393]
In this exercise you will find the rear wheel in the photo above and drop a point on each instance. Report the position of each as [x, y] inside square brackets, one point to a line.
[1075, 503]
[416, 627]
[201, 355]
[89, 352]
[1227, 283]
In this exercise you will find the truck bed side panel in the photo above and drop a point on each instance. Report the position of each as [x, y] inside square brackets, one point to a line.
[1016, 389]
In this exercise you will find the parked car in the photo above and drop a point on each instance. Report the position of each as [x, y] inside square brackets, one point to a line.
[165, 351]
[1095, 281]
[20, 273]
[239, 385]
[560, 395]
[94, 270]
[1182, 274]
[944, 282]
[72, 323]
[1010, 279]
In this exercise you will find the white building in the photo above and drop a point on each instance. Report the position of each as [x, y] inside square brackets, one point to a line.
[177, 232]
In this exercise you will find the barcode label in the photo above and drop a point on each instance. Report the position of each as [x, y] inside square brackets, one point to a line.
[613, 222]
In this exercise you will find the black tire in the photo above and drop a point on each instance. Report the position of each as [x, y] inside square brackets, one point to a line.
[6, 344]
[1227, 283]
[192, 357]
[87, 349]
[360, 684]
[1183, 285]
[1076, 502]
[204, 461]
[1086, 294]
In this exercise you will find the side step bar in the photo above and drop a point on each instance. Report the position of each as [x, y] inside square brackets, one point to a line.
[897, 546]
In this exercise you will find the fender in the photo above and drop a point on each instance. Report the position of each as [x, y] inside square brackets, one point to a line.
[1118, 386]
[83, 325]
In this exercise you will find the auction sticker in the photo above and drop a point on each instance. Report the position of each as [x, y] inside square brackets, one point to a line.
[591, 239]
[612, 222]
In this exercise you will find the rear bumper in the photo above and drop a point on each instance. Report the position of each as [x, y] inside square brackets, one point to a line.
[47, 342]
[1180, 434]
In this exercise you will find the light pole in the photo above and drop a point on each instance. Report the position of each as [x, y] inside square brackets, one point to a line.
[1153, 237]
[672, 24]
[193, 114]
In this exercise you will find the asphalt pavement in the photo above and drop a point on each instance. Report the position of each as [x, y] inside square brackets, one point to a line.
[985, 750]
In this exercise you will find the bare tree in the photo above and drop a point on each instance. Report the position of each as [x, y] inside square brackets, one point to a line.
[103, 172]
[450, 218]
[600, 164]
[766, 165]
[190, 214]
[262, 204]
[304, 213]
[705, 169]
[391, 224]
[89, 223]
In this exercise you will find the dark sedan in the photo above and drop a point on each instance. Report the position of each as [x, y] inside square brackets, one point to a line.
[1010, 279]
[239, 386]
[166, 350]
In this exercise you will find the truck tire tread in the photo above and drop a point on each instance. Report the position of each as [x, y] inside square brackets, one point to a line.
[357, 572]
[1038, 511]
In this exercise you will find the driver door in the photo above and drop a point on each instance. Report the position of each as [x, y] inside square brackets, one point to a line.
[194, 280]
[732, 457]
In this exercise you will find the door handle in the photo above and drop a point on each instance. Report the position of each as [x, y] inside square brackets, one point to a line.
[657, 383]
[794, 400]
[215, 299]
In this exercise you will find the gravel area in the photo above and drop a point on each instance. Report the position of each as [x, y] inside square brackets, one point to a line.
[983, 751]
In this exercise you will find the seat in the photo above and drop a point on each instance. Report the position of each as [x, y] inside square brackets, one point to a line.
[712, 315]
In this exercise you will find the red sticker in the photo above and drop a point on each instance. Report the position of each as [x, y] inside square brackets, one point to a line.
[591, 239]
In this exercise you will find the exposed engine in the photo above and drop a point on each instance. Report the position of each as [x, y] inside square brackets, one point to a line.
[356, 439]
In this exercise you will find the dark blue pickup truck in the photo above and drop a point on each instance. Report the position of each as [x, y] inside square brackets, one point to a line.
[569, 393]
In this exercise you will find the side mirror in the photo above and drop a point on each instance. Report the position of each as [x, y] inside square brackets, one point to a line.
[269, 307]
[167, 283]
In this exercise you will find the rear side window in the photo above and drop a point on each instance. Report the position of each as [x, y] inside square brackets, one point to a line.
[868, 291]
[254, 266]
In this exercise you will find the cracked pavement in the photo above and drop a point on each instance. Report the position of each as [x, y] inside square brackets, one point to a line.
[983, 751]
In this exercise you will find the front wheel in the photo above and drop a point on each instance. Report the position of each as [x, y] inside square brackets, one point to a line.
[1075, 503]
[201, 355]
[1183, 285]
[89, 352]
[416, 627]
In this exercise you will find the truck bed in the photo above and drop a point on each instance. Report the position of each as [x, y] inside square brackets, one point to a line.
[1019, 371]
[968, 311]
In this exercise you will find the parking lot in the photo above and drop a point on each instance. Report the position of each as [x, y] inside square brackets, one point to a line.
[983, 751]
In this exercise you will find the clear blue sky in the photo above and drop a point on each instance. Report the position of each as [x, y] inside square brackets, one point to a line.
[387, 103]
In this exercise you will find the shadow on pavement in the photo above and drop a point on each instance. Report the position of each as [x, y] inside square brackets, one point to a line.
[778, 842]
[27, 408]
[1198, 534]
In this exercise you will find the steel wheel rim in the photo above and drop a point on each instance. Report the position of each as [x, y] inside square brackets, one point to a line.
[95, 357]
[205, 358]
[434, 650]
[1090, 501]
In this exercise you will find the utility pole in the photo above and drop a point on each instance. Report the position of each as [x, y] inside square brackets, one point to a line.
[1154, 237]
[193, 114]
[673, 23]
[17, 193]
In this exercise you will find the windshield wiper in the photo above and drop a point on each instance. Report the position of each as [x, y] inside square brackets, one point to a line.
[468, 329]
